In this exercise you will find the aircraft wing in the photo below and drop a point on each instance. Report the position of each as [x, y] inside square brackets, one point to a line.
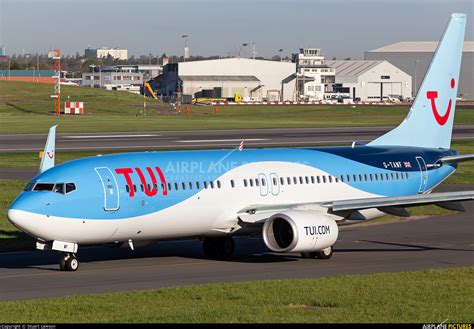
[343, 208]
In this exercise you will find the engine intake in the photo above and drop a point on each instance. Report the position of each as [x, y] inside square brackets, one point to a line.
[299, 231]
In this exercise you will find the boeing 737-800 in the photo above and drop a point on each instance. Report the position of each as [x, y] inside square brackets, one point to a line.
[295, 197]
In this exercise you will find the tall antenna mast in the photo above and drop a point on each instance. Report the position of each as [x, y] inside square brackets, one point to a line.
[56, 56]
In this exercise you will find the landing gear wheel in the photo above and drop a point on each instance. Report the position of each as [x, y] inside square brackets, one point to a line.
[209, 247]
[68, 263]
[308, 255]
[62, 263]
[218, 246]
[325, 253]
[227, 247]
[72, 264]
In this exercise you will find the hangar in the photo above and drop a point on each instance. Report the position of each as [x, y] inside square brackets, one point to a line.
[370, 80]
[250, 78]
[415, 57]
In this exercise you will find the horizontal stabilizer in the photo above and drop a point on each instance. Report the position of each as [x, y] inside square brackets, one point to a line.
[456, 158]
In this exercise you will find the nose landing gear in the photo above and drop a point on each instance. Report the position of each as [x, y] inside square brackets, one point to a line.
[68, 263]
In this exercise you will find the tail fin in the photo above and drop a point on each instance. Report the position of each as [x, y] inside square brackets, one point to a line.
[430, 120]
[47, 161]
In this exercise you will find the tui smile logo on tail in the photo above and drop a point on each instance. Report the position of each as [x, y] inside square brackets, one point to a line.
[432, 95]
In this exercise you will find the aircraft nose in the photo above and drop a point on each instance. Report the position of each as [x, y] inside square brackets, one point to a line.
[14, 216]
[17, 214]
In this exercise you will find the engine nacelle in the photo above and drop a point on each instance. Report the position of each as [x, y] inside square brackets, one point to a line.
[299, 231]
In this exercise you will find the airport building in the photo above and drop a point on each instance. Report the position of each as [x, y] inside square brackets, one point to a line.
[369, 81]
[415, 57]
[104, 52]
[113, 78]
[253, 80]
[314, 76]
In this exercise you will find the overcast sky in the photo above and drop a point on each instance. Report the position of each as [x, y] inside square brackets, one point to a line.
[341, 28]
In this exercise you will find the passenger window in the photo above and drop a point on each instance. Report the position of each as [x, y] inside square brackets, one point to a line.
[396, 175]
[307, 179]
[245, 182]
[169, 186]
[176, 186]
[393, 176]
[282, 181]
[354, 178]
[324, 179]
[251, 182]
[318, 179]
[342, 178]
[198, 186]
[232, 184]
[70, 187]
[301, 180]
[288, 180]
[275, 182]
[295, 180]
[348, 178]
[312, 179]
[381, 177]
[330, 178]
[211, 183]
[205, 184]
[218, 184]
[190, 185]
[127, 188]
[264, 182]
[371, 178]
[257, 182]
[360, 177]
[134, 188]
[406, 175]
[387, 177]
[183, 184]
[365, 177]
[141, 187]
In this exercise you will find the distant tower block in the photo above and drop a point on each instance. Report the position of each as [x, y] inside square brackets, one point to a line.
[56, 56]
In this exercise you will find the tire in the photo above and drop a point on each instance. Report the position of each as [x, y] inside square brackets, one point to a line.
[209, 247]
[226, 247]
[72, 264]
[62, 263]
[325, 253]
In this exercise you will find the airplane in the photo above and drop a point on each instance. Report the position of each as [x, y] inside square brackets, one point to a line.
[296, 198]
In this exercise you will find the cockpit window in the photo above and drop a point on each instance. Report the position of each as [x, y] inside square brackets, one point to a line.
[44, 187]
[59, 188]
[70, 187]
[29, 187]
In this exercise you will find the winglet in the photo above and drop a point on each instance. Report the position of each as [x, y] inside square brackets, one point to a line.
[49, 153]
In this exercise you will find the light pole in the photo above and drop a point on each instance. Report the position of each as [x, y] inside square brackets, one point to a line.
[280, 51]
[185, 36]
[240, 49]
[414, 87]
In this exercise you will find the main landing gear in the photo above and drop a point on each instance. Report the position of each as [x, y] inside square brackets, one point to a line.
[323, 254]
[221, 247]
[69, 263]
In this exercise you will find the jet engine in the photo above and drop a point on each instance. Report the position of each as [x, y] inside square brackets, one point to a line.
[299, 231]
